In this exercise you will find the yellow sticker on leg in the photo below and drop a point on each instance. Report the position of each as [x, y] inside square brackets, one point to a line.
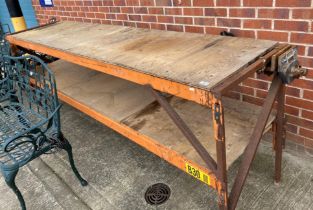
[197, 173]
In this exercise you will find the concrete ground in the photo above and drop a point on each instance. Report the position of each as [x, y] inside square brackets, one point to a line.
[119, 172]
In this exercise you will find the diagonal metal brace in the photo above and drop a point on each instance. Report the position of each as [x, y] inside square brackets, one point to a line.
[255, 139]
[210, 162]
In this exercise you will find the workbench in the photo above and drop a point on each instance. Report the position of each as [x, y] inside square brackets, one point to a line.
[165, 91]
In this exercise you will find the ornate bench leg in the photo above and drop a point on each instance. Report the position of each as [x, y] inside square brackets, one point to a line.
[9, 177]
[68, 148]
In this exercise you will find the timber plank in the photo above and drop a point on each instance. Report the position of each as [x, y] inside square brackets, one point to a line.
[133, 106]
[197, 60]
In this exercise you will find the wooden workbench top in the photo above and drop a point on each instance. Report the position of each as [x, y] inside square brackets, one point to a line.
[197, 60]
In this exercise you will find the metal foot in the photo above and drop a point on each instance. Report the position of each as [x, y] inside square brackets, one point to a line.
[68, 148]
[9, 177]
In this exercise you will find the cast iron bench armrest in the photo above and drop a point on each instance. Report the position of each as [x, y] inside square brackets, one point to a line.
[7, 143]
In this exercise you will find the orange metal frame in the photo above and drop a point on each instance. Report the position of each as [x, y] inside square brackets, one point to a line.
[212, 99]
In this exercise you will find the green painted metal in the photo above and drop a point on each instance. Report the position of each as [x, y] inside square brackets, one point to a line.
[29, 115]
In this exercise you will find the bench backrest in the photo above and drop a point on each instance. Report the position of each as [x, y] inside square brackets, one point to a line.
[30, 82]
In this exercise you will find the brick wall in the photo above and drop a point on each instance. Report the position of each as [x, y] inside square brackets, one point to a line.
[280, 20]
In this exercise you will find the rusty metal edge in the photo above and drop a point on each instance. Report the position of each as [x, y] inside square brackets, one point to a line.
[209, 161]
[33, 28]
[230, 82]
[255, 139]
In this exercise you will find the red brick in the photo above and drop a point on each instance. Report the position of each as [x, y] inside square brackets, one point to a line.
[307, 114]
[149, 18]
[182, 2]
[301, 50]
[228, 22]
[132, 2]
[127, 9]
[142, 25]
[100, 15]
[291, 25]
[85, 3]
[305, 104]
[175, 28]
[258, 24]
[309, 74]
[243, 33]
[158, 26]
[252, 100]
[183, 20]
[85, 20]
[194, 29]
[307, 133]
[291, 110]
[104, 9]
[310, 51]
[228, 3]
[291, 91]
[104, 3]
[301, 122]
[115, 9]
[165, 19]
[302, 38]
[275, 36]
[261, 93]
[94, 9]
[244, 89]
[293, 3]
[193, 11]
[134, 17]
[302, 14]
[95, 3]
[200, 3]
[291, 128]
[306, 61]
[131, 24]
[147, 2]
[110, 16]
[242, 12]
[156, 10]
[116, 22]
[233, 95]
[274, 13]
[257, 3]
[173, 11]
[121, 17]
[163, 3]
[204, 21]
[90, 15]
[264, 77]
[214, 12]
[214, 30]
[301, 83]
[119, 2]
[140, 10]
[256, 83]
[308, 95]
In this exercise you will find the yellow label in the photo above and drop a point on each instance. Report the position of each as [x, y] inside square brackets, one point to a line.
[197, 173]
[18, 23]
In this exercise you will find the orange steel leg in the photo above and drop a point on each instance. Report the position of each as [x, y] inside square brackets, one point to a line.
[219, 135]
[279, 136]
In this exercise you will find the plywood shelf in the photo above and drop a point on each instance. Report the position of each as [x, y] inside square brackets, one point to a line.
[132, 106]
[196, 60]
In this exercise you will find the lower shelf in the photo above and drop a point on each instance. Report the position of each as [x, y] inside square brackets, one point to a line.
[131, 110]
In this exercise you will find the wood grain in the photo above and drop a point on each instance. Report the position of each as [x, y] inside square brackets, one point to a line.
[197, 60]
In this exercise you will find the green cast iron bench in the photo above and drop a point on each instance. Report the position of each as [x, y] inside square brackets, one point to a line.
[29, 116]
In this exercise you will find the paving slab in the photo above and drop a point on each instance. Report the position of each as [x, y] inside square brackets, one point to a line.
[119, 172]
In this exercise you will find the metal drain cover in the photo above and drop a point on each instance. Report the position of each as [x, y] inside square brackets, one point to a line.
[157, 194]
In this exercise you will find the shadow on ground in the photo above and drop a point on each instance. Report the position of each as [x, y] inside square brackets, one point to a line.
[119, 172]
